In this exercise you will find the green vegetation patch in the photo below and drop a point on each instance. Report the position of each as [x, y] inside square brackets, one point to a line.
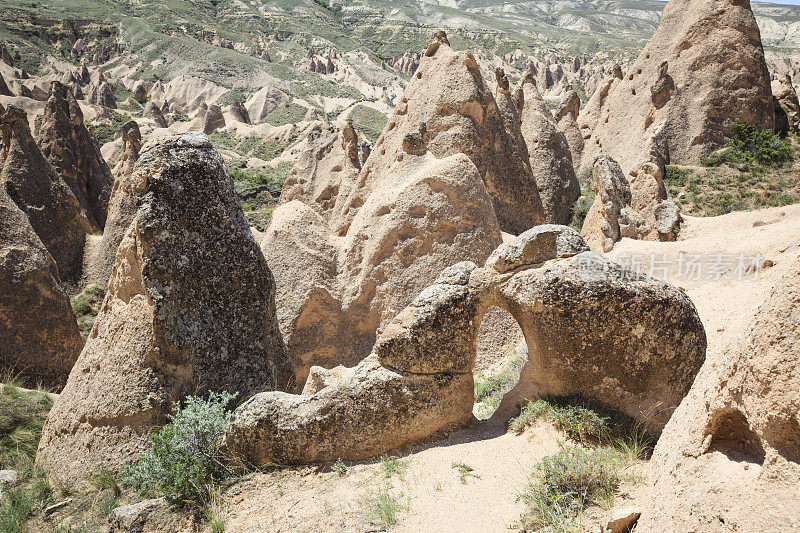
[562, 485]
[490, 389]
[184, 462]
[289, 113]
[22, 416]
[750, 144]
[86, 305]
[581, 208]
[368, 121]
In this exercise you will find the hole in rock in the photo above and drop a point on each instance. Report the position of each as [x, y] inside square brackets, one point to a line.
[786, 439]
[731, 435]
[500, 355]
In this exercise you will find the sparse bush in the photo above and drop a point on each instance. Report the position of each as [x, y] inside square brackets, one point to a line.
[581, 208]
[489, 390]
[383, 507]
[394, 466]
[750, 145]
[464, 471]
[563, 484]
[339, 467]
[184, 460]
[675, 176]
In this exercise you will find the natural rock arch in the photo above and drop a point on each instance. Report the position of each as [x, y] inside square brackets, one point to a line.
[618, 337]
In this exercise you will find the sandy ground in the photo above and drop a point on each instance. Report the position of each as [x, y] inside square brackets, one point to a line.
[313, 499]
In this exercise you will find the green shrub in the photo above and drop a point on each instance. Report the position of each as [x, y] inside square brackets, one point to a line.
[675, 176]
[383, 507]
[581, 208]
[578, 422]
[489, 390]
[392, 465]
[184, 462]
[750, 145]
[563, 484]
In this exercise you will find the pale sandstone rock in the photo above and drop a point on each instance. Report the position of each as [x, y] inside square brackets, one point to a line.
[74, 154]
[152, 111]
[39, 339]
[149, 516]
[787, 106]
[189, 309]
[213, 120]
[730, 456]
[678, 101]
[121, 207]
[239, 112]
[49, 204]
[567, 118]
[550, 157]
[592, 327]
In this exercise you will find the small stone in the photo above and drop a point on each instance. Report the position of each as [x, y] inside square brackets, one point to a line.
[622, 520]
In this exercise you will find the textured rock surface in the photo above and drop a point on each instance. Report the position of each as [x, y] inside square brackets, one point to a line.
[39, 339]
[189, 308]
[4, 90]
[148, 516]
[592, 327]
[152, 111]
[51, 208]
[567, 118]
[611, 216]
[213, 120]
[74, 154]
[447, 173]
[787, 106]
[239, 112]
[730, 455]
[686, 88]
[121, 207]
[550, 157]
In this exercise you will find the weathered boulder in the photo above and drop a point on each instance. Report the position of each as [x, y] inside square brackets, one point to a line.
[730, 456]
[567, 119]
[787, 106]
[39, 339]
[550, 157]
[239, 112]
[618, 337]
[74, 153]
[213, 120]
[153, 112]
[611, 216]
[140, 91]
[36, 188]
[189, 309]
[149, 516]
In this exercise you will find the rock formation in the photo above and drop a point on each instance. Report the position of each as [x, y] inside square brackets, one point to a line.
[370, 236]
[550, 158]
[4, 90]
[140, 92]
[102, 94]
[264, 102]
[679, 99]
[239, 112]
[567, 119]
[787, 106]
[573, 306]
[730, 456]
[49, 204]
[75, 155]
[189, 309]
[121, 207]
[153, 112]
[611, 216]
[40, 339]
[213, 120]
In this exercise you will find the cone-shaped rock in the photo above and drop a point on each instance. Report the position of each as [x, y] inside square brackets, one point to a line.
[239, 112]
[703, 69]
[121, 208]
[36, 188]
[75, 155]
[787, 106]
[550, 158]
[213, 120]
[189, 309]
[152, 111]
[39, 339]
[567, 119]
[4, 90]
